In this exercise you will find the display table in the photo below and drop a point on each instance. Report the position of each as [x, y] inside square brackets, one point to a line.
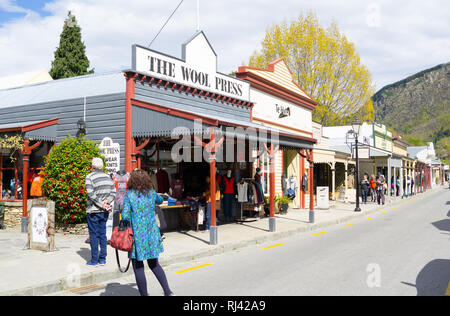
[179, 217]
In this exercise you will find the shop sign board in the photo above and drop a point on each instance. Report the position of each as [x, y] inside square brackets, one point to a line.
[198, 69]
[323, 197]
[350, 196]
[111, 151]
[41, 225]
[363, 152]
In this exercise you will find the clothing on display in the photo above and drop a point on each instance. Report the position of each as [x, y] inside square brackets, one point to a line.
[242, 189]
[228, 196]
[292, 186]
[36, 185]
[120, 181]
[305, 183]
[162, 178]
[154, 181]
[177, 187]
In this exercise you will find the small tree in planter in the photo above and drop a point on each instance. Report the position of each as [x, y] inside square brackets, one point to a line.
[65, 171]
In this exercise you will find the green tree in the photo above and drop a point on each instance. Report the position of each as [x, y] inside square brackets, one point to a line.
[70, 57]
[325, 64]
[66, 168]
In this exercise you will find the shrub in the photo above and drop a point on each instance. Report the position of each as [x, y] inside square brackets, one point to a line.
[66, 168]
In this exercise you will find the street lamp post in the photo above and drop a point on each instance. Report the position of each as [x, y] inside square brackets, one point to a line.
[81, 124]
[356, 129]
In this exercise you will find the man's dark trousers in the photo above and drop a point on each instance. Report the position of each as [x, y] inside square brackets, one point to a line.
[97, 234]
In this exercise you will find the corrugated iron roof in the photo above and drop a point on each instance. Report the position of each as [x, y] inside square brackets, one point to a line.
[64, 89]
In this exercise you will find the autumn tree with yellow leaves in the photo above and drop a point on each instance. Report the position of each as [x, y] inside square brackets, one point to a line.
[325, 64]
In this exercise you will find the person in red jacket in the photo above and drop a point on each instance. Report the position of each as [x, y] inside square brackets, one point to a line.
[373, 186]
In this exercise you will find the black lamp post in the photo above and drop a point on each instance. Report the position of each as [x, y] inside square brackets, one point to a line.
[81, 124]
[356, 130]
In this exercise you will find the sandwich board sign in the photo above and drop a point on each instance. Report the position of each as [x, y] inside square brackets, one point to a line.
[323, 198]
[41, 225]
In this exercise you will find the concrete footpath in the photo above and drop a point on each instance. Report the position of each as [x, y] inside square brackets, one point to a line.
[28, 272]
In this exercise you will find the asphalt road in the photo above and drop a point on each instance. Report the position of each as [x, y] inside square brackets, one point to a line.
[401, 251]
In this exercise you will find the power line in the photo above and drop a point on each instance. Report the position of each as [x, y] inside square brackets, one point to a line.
[165, 23]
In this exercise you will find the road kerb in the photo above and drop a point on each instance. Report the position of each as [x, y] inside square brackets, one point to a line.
[98, 277]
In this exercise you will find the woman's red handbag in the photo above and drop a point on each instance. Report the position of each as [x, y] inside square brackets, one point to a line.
[122, 239]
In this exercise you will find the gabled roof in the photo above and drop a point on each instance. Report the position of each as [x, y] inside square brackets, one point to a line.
[199, 33]
[278, 73]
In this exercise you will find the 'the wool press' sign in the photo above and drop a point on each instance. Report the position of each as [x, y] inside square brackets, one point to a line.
[198, 69]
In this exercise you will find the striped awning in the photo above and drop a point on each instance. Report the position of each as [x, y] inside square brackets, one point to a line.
[164, 122]
[35, 130]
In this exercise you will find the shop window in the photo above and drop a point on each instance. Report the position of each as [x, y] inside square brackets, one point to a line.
[7, 176]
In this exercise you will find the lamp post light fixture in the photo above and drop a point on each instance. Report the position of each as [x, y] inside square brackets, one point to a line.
[356, 126]
[81, 124]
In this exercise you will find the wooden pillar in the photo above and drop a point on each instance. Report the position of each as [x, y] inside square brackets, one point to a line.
[212, 148]
[272, 155]
[302, 173]
[311, 176]
[129, 94]
[137, 152]
[26, 152]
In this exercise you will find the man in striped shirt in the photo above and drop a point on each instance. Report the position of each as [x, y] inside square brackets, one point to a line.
[101, 192]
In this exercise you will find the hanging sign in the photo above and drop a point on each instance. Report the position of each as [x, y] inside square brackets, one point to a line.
[198, 69]
[111, 151]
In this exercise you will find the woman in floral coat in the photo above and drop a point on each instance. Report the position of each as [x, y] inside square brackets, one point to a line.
[139, 209]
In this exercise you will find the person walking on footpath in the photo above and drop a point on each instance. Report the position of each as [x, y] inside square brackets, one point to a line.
[365, 185]
[101, 193]
[139, 210]
[373, 186]
[380, 188]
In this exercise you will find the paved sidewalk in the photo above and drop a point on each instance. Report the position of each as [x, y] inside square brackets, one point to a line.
[27, 272]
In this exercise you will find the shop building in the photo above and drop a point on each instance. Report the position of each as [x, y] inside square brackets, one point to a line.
[403, 173]
[374, 149]
[280, 103]
[332, 166]
[424, 155]
[158, 115]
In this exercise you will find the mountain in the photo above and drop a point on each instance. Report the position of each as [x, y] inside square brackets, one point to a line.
[418, 108]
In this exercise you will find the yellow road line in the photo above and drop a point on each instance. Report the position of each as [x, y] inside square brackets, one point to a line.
[448, 290]
[319, 234]
[349, 225]
[369, 218]
[383, 213]
[194, 268]
[394, 209]
[270, 247]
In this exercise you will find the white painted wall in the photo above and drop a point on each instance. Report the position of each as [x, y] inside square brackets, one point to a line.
[265, 108]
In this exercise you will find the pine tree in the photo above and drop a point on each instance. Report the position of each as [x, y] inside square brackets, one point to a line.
[70, 57]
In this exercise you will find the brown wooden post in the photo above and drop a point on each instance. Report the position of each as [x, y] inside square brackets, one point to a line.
[212, 148]
[311, 189]
[272, 152]
[138, 152]
[26, 152]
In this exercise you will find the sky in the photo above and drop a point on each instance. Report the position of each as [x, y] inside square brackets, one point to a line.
[394, 39]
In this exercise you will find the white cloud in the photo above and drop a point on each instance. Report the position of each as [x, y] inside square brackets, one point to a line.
[406, 36]
[11, 6]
